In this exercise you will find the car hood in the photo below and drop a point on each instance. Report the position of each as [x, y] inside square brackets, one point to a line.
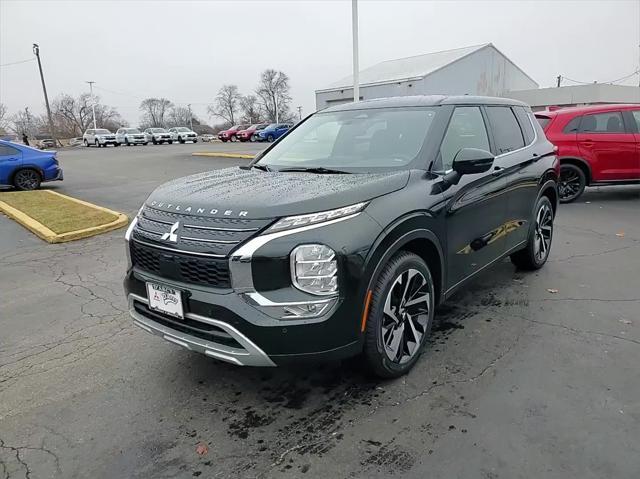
[238, 193]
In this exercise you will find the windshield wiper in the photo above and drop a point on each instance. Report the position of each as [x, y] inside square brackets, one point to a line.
[316, 169]
[261, 167]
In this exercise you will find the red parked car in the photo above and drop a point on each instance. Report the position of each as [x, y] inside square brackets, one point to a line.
[247, 135]
[597, 145]
[231, 133]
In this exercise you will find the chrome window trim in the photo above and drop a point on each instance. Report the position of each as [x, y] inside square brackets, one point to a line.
[535, 136]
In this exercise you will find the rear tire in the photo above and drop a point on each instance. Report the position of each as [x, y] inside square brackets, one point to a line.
[572, 183]
[180, 140]
[27, 179]
[171, 142]
[535, 254]
[97, 144]
[86, 143]
[270, 138]
[400, 316]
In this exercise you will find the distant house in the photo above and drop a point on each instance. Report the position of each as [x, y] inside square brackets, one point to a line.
[475, 70]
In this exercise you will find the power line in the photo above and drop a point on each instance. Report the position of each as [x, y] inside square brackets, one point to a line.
[603, 82]
[19, 62]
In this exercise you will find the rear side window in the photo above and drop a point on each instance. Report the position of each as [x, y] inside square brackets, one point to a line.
[543, 120]
[636, 117]
[525, 124]
[609, 122]
[572, 126]
[8, 150]
[506, 131]
[466, 130]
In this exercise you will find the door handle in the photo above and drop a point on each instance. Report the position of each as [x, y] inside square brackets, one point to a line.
[497, 171]
[587, 142]
[13, 159]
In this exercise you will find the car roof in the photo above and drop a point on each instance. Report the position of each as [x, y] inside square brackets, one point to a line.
[424, 100]
[579, 110]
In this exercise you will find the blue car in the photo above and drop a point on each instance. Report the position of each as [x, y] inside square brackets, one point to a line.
[273, 132]
[25, 168]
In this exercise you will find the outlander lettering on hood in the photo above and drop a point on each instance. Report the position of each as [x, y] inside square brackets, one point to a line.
[342, 237]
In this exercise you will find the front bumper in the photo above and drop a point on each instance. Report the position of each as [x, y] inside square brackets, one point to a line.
[247, 354]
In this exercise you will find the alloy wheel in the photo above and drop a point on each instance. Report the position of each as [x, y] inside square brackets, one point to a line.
[570, 184]
[27, 180]
[405, 316]
[543, 233]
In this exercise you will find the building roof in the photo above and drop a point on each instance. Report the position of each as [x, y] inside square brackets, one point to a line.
[578, 94]
[409, 68]
[423, 100]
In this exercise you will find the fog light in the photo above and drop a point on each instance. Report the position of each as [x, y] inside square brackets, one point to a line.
[314, 269]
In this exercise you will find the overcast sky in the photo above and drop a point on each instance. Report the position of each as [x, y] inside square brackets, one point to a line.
[186, 50]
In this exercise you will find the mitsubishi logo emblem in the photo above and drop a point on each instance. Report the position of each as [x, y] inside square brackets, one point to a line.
[171, 235]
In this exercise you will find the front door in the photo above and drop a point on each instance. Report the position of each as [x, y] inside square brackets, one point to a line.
[635, 116]
[475, 207]
[608, 146]
[10, 161]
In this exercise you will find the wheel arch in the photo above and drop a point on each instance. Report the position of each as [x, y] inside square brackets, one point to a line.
[413, 235]
[580, 163]
[549, 189]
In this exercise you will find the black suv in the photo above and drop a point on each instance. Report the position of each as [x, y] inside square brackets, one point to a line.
[342, 237]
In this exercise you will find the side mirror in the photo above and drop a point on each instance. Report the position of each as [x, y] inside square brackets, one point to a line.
[469, 161]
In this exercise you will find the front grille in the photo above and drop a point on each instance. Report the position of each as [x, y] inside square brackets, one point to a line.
[185, 268]
[199, 329]
[199, 235]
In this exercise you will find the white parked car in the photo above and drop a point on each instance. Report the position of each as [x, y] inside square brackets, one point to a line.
[182, 134]
[99, 137]
[157, 135]
[130, 136]
[207, 137]
[76, 141]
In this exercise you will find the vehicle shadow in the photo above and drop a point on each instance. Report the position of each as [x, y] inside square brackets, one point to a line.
[610, 193]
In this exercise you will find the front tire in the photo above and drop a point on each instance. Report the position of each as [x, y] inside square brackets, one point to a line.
[180, 140]
[535, 254]
[27, 180]
[270, 138]
[572, 183]
[171, 142]
[86, 143]
[400, 316]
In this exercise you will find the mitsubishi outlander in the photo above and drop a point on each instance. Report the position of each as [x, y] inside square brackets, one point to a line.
[342, 237]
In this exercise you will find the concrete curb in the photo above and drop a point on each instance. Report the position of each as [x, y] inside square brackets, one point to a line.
[49, 236]
[222, 154]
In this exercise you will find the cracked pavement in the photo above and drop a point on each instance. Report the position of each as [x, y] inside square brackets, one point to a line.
[516, 381]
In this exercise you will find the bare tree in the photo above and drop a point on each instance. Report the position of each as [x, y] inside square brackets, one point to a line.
[251, 111]
[273, 92]
[227, 104]
[154, 111]
[181, 116]
[4, 120]
[24, 123]
[72, 116]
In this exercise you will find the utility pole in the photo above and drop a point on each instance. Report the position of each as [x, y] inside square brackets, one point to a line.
[190, 117]
[93, 103]
[299, 113]
[36, 52]
[27, 126]
[559, 79]
[356, 67]
[275, 104]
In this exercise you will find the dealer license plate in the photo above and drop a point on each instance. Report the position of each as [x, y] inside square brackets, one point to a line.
[164, 299]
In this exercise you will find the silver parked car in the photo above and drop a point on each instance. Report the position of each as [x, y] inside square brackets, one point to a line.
[130, 136]
[157, 135]
[99, 137]
[182, 134]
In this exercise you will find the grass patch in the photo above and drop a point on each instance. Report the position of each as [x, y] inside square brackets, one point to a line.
[56, 212]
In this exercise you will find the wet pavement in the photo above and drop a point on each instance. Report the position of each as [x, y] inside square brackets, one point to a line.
[517, 381]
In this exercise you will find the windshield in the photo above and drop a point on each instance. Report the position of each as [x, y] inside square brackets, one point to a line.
[355, 139]
[158, 130]
[261, 126]
[543, 120]
[182, 128]
[132, 130]
[103, 132]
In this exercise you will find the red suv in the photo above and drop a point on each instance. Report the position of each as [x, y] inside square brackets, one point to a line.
[248, 134]
[597, 145]
[231, 133]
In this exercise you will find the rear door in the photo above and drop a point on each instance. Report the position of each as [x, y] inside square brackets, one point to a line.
[10, 161]
[475, 206]
[608, 145]
[513, 134]
[634, 120]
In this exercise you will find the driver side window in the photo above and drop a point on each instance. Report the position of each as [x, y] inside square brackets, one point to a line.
[466, 130]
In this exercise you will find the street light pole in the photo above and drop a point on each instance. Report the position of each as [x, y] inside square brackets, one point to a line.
[36, 52]
[190, 117]
[93, 103]
[356, 67]
[299, 113]
[275, 104]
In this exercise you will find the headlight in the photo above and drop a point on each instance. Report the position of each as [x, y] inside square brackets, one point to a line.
[314, 269]
[302, 220]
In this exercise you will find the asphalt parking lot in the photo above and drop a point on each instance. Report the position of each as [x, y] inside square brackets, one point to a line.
[527, 375]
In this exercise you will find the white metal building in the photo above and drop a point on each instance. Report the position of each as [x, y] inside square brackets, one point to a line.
[578, 95]
[475, 70]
